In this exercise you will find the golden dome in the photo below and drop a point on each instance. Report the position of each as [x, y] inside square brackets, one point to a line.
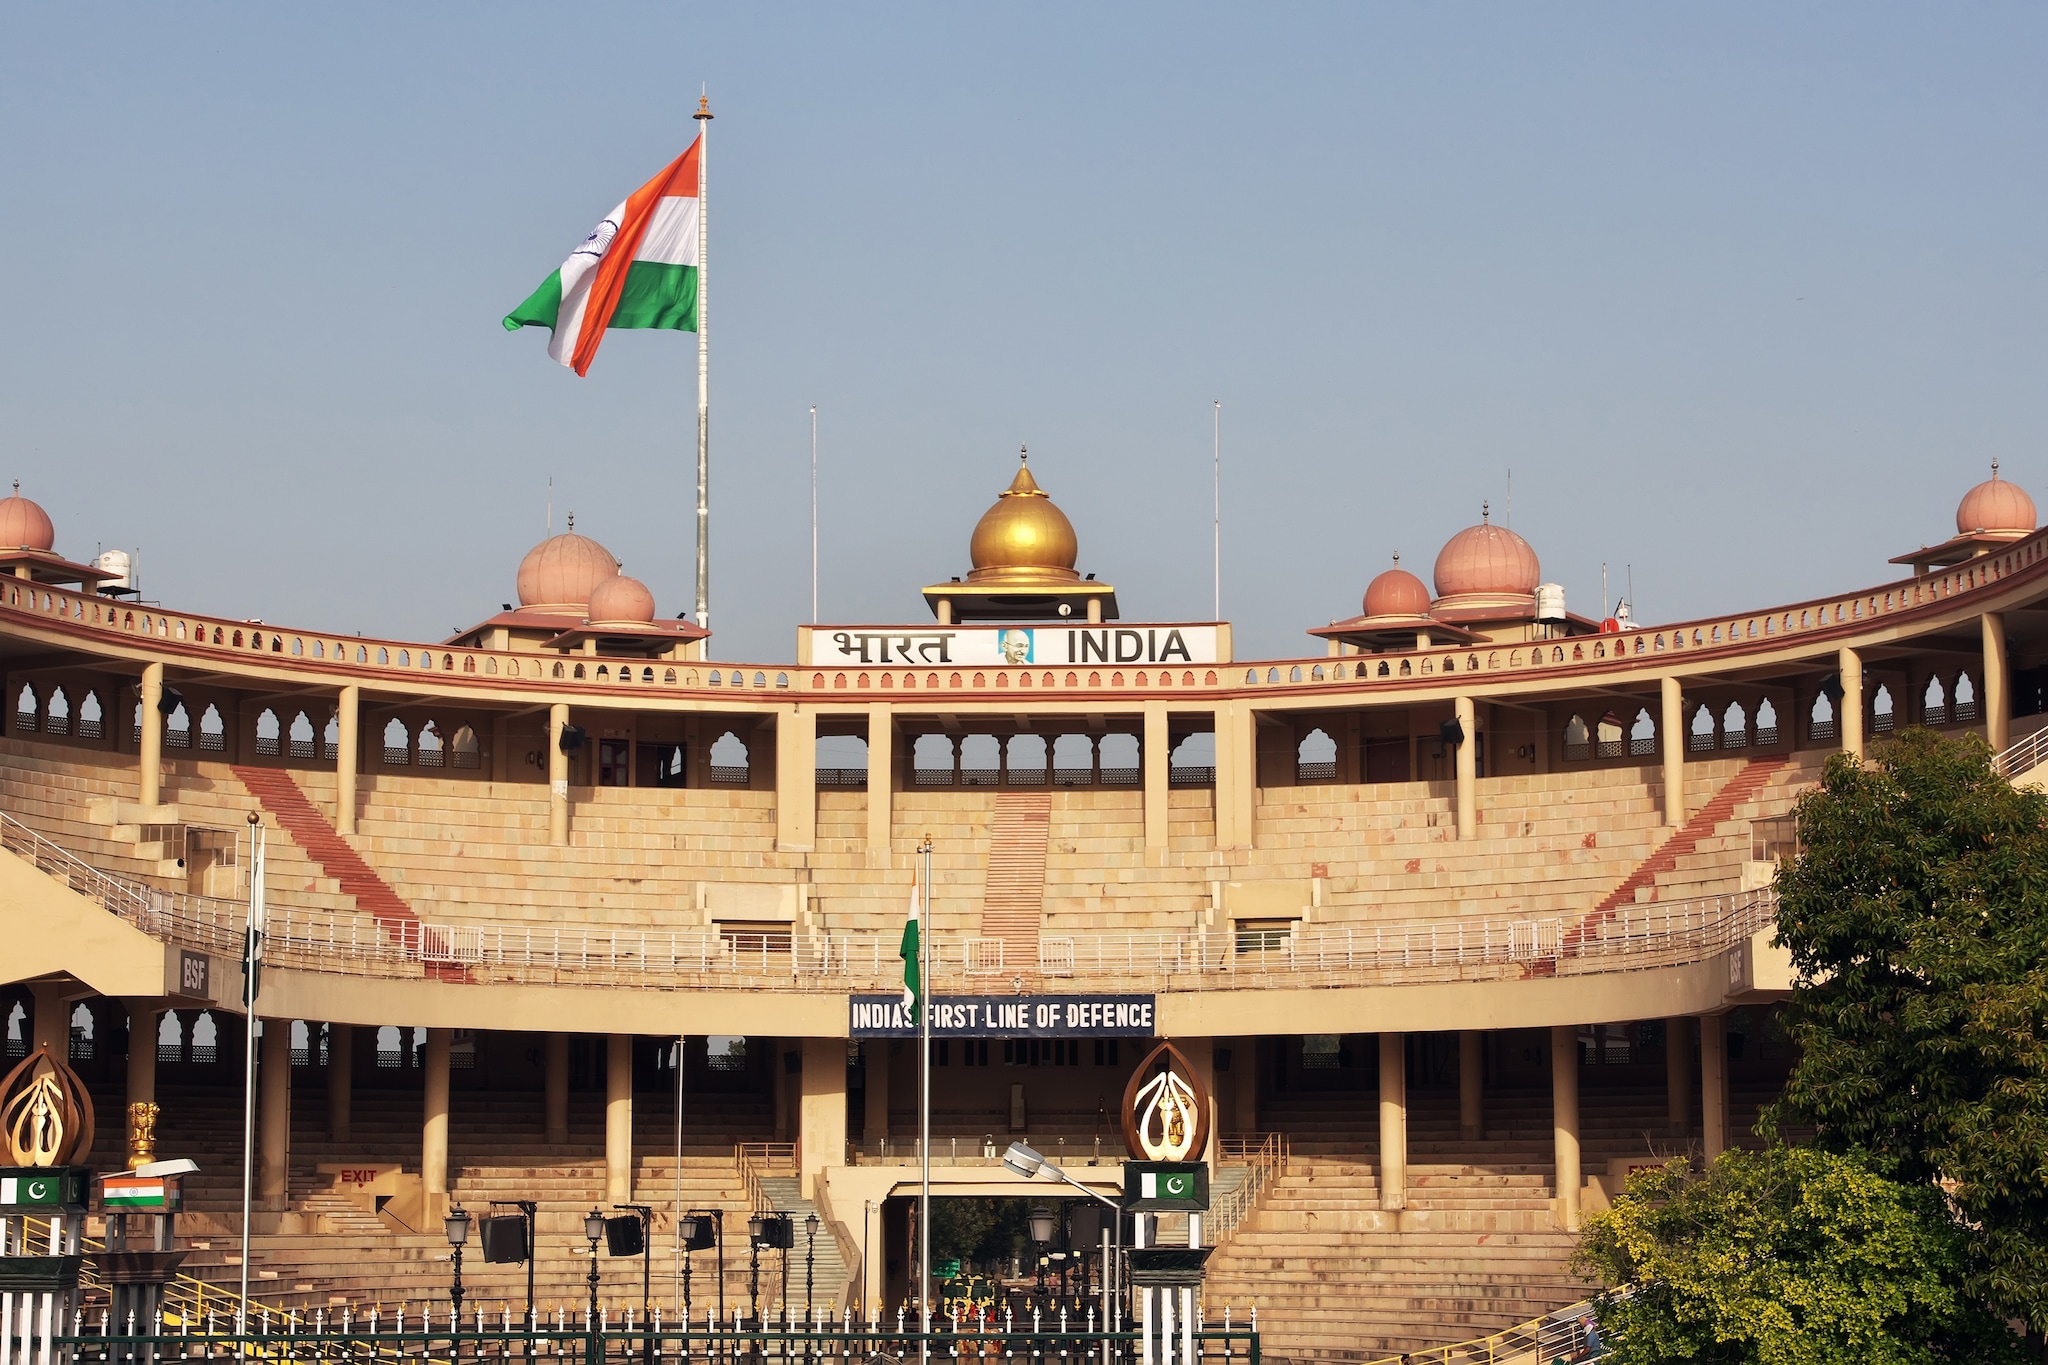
[1023, 539]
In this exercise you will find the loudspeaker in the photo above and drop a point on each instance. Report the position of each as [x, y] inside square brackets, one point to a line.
[1830, 687]
[622, 1236]
[697, 1232]
[778, 1232]
[572, 738]
[170, 701]
[504, 1239]
[1451, 733]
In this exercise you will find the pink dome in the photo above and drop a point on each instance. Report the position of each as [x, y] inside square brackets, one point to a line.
[1486, 559]
[1993, 505]
[1396, 593]
[25, 526]
[562, 570]
[620, 598]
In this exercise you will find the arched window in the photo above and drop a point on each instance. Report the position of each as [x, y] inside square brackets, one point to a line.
[1118, 765]
[330, 738]
[1073, 761]
[1027, 756]
[931, 761]
[92, 722]
[1642, 736]
[178, 728]
[302, 745]
[17, 1030]
[1578, 740]
[83, 1044]
[1315, 758]
[137, 737]
[1734, 727]
[1820, 722]
[205, 1049]
[842, 761]
[59, 719]
[1882, 718]
[1193, 761]
[1934, 704]
[980, 761]
[1966, 700]
[170, 1038]
[1607, 737]
[1699, 735]
[729, 761]
[465, 750]
[213, 731]
[397, 744]
[430, 746]
[26, 711]
[267, 733]
[1766, 724]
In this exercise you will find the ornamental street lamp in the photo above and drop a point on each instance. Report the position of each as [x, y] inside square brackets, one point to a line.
[757, 1228]
[456, 1225]
[810, 1257]
[1041, 1233]
[593, 1229]
[687, 1229]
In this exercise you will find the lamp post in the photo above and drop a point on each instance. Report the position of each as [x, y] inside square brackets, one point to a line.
[456, 1225]
[688, 1229]
[757, 1228]
[593, 1228]
[1041, 1233]
[1025, 1161]
[810, 1258]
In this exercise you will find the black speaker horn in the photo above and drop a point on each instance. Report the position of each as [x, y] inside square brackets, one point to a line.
[168, 703]
[504, 1239]
[623, 1237]
[1451, 733]
[572, 738]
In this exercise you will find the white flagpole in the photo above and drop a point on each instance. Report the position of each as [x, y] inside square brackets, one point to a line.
[924, 1110]
[1217, 490]
[251, 949]
[814, 514]
[703, 117]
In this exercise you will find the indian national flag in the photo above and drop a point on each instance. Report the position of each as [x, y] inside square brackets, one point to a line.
[637, 268]
[913, 982]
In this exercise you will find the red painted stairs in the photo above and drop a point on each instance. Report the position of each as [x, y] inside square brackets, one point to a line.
[308, 828]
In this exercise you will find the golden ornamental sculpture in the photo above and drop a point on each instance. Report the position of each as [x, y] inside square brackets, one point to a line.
[45, 1111]
[1166, 1116]
[141, 1133]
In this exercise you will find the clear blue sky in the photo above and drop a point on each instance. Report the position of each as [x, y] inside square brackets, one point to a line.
[1746, 296]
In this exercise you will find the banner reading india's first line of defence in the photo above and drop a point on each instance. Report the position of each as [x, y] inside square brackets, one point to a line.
[637, 268]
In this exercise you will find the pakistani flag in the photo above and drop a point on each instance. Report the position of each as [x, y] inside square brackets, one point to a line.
[638, 268]
[913, 983]
[252, 948]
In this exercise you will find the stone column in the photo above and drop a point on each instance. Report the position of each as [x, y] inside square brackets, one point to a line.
[778, 1081]
[1393, 1120]
[558, 776]
[556, 1086]
[875, 1117]
[1471, 1084]
[881, 783]
[274, 1119]
[1673, 728]
[1849, 710]
[1245, 1064]
[796, 779]
[1564, 1120]
[1237, 776]
[1468, 770]
[618, 1118]
[341, 1080]
[152, 756]
[1996, 701]
[434, 1126]
[1155, 752]
[142, 1027]
[51, 1020]
[348, 756]
[1678, 1073]
[822, 1122]
[1713, 1085]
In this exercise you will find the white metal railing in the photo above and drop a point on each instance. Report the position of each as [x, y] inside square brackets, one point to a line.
[1630, 938]
[2028, 753]
[1264, 1157]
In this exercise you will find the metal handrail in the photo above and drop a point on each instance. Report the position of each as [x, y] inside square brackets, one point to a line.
[759, 1160]
[1265, 1159]
[2024, 754]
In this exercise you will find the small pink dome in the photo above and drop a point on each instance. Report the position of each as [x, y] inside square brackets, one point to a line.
[562, 570]
[1993, 505]
[1486, 559]
[25, 526]
[620, 598]
[1396, 593]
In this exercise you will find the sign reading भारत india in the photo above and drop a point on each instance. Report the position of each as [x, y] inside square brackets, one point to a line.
[999, 1016]
[1008, 646]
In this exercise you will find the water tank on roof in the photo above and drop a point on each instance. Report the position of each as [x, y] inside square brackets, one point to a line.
[1550, 602]
[118, 563]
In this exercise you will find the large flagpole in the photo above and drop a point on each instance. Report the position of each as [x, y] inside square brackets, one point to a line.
[252, 959]
[924, 1113]
[703, 117]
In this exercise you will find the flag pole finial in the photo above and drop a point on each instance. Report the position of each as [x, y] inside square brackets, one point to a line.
[703, 107]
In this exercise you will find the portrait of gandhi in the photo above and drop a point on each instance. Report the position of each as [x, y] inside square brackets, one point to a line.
[1016, 645]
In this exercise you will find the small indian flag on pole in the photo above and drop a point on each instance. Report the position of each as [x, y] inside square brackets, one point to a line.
[913, 982]
[638, 267]
[135, 1192]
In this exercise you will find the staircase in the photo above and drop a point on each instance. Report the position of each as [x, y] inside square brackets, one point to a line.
[308, 828]
[829, 1272]
[1740, 788]
[1013, 905]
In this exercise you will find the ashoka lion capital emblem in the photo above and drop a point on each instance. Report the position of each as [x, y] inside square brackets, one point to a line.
[1166, 1114]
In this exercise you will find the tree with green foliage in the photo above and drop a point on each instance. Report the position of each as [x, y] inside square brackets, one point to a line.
[1917, 919]
[1789, 1256]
